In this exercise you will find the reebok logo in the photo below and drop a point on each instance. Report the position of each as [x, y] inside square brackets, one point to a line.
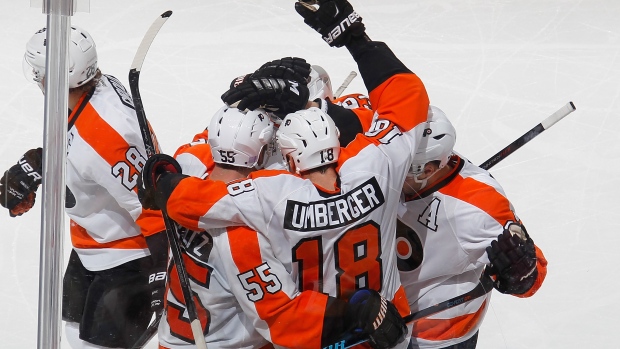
[294, 85]
[346, 23]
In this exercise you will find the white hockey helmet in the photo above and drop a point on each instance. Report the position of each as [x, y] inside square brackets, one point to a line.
[320, 85]
[82, 57]
[310, 137]
[437, 142]
[237, 138]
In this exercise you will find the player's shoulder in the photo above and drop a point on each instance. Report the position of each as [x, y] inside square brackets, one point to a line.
[279, 183]
[353, 101]
[269, 173]
[480, 177]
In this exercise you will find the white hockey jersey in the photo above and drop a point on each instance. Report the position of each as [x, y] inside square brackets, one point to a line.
[105, 153]
[330, 242]
[245, 297]
[442, 250]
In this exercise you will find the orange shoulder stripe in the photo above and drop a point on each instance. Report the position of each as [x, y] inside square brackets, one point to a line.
[482, 196]
[193, 198]
[100, 135]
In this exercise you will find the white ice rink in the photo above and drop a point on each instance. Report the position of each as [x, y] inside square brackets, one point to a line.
[496, 67]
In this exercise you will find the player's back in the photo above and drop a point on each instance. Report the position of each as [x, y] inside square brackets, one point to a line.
[104, 156]
[224, 323]
[335, 241]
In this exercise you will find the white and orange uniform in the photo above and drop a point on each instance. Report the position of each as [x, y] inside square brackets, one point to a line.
[105, 153]
[244, 296]
[452, 222]
[332, 242]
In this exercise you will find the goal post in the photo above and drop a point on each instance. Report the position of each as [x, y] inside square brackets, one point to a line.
[51, 260]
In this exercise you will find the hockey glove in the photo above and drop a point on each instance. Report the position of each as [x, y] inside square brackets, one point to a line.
[513, 262]
[19, 184]
[155, 167]
[335, 20]
[378, 319]
[278, 96]
[287, 68]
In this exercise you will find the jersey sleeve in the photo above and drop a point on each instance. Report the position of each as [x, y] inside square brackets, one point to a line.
[195, 158]
[485, 212]
[352, 115]
[396, 94]
[202, 204]
[270, 297]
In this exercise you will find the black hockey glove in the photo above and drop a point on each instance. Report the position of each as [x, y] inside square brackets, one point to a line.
[278, 96]
[335, 20]
[513, 262]
[155, 167]
[378, 319]
[287, 68]
[19, 184]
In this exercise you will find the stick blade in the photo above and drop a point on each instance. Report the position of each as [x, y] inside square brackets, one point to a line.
[138, 59]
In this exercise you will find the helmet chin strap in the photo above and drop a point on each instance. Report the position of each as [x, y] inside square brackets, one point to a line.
[423, 182]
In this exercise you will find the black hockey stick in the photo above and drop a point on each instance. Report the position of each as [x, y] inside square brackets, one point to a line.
[148, 333]
[151, 148]
[529, 135]
[485, 285]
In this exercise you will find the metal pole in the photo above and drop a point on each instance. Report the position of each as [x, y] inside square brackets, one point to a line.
[59, 14]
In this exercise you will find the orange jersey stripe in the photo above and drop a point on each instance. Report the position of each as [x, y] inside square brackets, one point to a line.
[81, 239]
[407, 108]
[498, 207]
[282, 314]
[401, 303]
[100, 136]
[200, 194]
[482, 196]
[444, 329]
[356, 147]
[150, 222]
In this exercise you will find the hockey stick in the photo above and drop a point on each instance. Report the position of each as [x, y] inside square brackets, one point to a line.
[171, 231]
[148, 333]
[485, 285]
[529, 135]
[345, 84]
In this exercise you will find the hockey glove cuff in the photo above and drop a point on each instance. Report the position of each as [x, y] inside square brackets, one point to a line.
[154, 169]
[19, 184]
[377, 318]
[335, 20]
[513, 261]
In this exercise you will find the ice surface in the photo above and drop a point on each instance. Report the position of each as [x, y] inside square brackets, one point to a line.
[497, 68]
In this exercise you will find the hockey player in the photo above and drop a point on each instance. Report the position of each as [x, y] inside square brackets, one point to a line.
[116, 272]
[346, 111]
[454, 208]
[331, 219]
[239, 283]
